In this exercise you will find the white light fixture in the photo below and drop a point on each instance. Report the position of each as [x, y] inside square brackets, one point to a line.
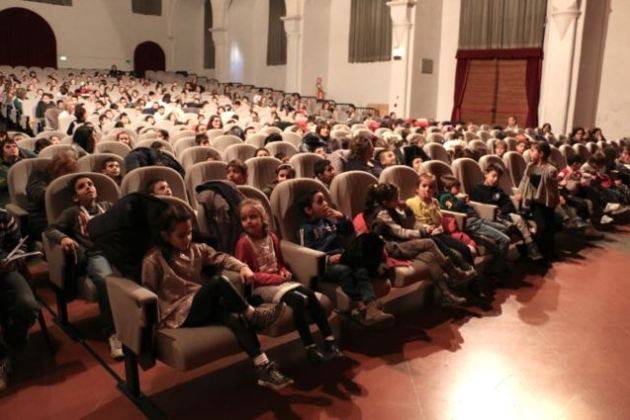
[63, 58]
[398, 53]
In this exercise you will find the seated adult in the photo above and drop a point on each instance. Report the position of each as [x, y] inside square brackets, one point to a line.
[159, 187]
[324, 171]
[237, 172]
[111, 168]
[360, 158]
[18, 307]
[11, 154]
[61, 164]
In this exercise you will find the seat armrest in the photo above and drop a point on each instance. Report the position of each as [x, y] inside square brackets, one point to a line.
[16, 211]
[56, 262]
[486, 211]
[304, 263]
[460, 218]
[135, 314]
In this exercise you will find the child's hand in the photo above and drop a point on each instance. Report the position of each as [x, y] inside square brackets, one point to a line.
[334, 214]
[437, 230]
[334, 259]
[247, 275]
[518, 197]
[68, 245]
[286, 274]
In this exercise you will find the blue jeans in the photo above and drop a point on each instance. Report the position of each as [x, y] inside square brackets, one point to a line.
[97, 269]
[354, 282]
[493, 230]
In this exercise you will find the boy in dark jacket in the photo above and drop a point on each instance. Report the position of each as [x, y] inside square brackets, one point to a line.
[490, 193]
[324, 229]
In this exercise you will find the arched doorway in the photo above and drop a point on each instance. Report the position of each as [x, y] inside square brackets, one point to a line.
[26, 39]
[148, 56]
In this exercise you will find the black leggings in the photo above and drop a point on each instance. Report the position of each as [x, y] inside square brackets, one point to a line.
[219, 302]
[545, 230]
[303, 302]
[448, 244]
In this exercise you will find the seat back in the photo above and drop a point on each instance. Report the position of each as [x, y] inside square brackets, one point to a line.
[256, 140]
[348, 191]
[276, 147]
[437, 168]
[437, 152]
[468, 172]
[404, 177]
[48, 134]
[224, 141]
[254, 193]
[479, 147]
[304, 163]
[511, 143]
[557, 158]
[198, 154]
[592, 147]
[261, 171]
[240, 151]
[95, 162]
[515, 164]
[567, 151]
[138, 179]
[52, 150]
[17, 178]
[202, 172]
[293, 138]
[505, 181]
[286, 214]
[213, 133]
[114, 147]
[59, 196]
[581, 150]
[166, 146]
[183, 144]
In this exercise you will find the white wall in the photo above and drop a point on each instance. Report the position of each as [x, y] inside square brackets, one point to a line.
[188, 27]
[99, 33]
[614, 97]
[247, 35]
[361, 83]
[315, 55]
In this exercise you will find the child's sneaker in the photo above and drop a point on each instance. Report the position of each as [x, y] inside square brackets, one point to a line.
[374, 315]
[115, 348]
[314, 355]
[532, 251]
[332, 350]
[269, 376]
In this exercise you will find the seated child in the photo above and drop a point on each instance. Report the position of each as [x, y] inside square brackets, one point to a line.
[490, 193]
[202, 140]
[261, 152]
[70, 231]
[499, 244]
[174, 271]
[390, 218]
[111, 168]
[260, 249]
[237, 172]
[426, 209]
[283, 172]
[159, 187]
[324, 171]
[323, 230]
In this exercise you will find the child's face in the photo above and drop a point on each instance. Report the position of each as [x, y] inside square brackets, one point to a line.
[520, 147]
[327, 176]
[283, 175]
[262, 153]
[319, 207]
[425, 189]
[455, 189]
[112, 168]
[618, 182]
[491, 178]
[534, 154]
[500, 150]
[180, 236]
[236, 176]
[417, 164]
[84, 191]
[321, 151]
[251, 221]
[388, 159]
[161, 188]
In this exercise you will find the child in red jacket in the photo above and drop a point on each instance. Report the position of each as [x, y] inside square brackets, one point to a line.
[260, 249]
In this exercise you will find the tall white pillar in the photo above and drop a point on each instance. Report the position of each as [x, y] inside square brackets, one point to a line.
[293, 28]
[221, 54]
[560, 70]
[402, 13]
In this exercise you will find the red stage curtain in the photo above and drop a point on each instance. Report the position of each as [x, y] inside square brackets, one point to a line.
[26, 39]
[534, 57]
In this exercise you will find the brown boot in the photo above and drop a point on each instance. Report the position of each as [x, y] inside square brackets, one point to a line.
[373, 316]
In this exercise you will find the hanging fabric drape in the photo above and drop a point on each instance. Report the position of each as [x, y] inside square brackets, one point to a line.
[370, 31]
[276, 36]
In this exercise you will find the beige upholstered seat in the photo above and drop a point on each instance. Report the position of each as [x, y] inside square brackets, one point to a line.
[166, 146]
[17, 179]
[468, 172]
[348, 191]
[581, 150]
[437, 168]
[567, 151]
[202, 172]
[404, 177]
[213, 133]
[479, 147]
[276, 147]
[437, 152]
[261, 171]
[304, 163]
[52, 150]
[138, 180]
[293, 138]
[196, 154]
[515, 165]
[256, 140]
[557, 158]
[240, 151]
[183, 144]
[221, 143]
[114, 147]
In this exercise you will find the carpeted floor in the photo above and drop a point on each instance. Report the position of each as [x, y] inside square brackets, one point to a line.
[552, 347]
